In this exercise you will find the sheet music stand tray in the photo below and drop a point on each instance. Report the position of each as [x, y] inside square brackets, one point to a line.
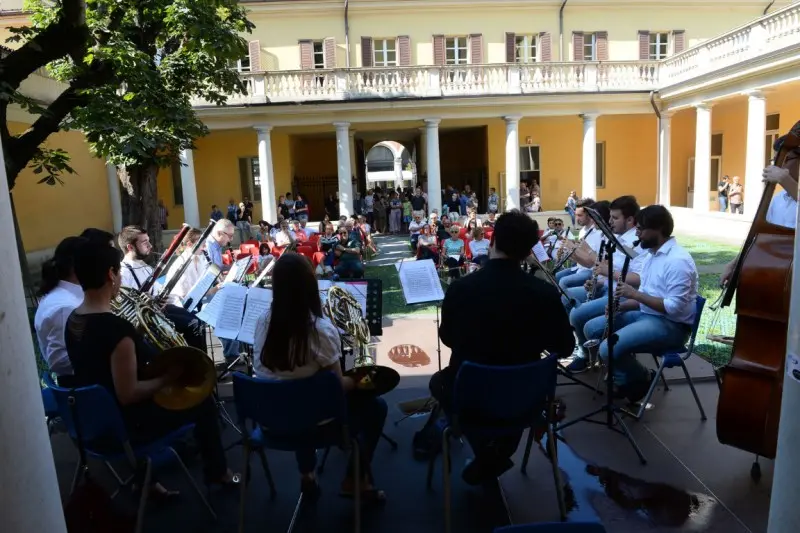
[613, 419]
[375, 306]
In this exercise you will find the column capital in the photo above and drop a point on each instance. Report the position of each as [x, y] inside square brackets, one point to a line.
[262, 128]
[704, 106]
[512, 118]
[755, 93]
[341, 125]
[666, 115]
[432, 122]
[589, 117]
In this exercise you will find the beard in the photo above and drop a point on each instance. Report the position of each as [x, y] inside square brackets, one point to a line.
[648, 244]
[140, 256]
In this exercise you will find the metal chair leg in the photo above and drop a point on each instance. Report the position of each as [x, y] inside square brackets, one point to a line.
[643, 404]
[663, 378]
[321, 466]
[552, 447]
[76, 477]
[448, 527]
[195, 486]
[245, 481]
[357, 485]
[431, 465]
[526, 456]
[148, 474]
[694, 391]
[267, 473]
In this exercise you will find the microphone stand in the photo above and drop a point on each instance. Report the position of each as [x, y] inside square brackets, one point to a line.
[613, 420]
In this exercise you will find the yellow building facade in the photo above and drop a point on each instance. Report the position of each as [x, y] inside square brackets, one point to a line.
[602, 97]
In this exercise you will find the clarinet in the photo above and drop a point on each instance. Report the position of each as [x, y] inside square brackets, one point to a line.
[590, 294]
[622, 275]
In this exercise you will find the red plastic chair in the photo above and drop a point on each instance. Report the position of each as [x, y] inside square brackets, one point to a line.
[254, 263]
[317, 259]
[251, 241]
[313, 240]
[487, 234]
[248, 246]
[462, 233]
[306, 251]
[227, 258]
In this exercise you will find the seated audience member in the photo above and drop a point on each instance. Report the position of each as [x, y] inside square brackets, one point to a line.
[326, 219]
[61, 294]
[491, 218]
[305, 228]
[473, 221]
[107, 350]
[350, 250]
[298, 233]
[426, 245]
[443, 231]
[532, 319]
[479, 247]
[290, 347]
[415, 227]
[656, 318]
[327, 245]
[285, 237]
[263, 234]
[454, 253]
[265, 256]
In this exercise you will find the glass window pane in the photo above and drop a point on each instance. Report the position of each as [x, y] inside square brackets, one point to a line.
[773, 122]
[450, 54]
[391, 57]
[716, 144]
[600, 165]
[450, 42]
[391, 45]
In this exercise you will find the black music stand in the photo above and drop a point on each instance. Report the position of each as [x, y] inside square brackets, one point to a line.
[613, 419]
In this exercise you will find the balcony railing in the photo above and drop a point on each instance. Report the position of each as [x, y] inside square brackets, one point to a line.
[770, 34]
[764, 36]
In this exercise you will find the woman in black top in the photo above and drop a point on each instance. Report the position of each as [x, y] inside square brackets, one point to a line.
[106, 350]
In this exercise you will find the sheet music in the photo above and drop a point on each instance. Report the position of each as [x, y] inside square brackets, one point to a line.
[258, 302]
[238, 269]
[420, 282]
[229, 320]
[540, 252]
[211, 311]
[201, 287]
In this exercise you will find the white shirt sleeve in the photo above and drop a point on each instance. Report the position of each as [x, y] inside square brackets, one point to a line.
[680, 278]
[330, 343]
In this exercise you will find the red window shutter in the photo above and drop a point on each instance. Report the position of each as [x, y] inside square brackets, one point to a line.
[404, 51]
[577, 46]
[601, 41]
[366, 52]
[254, 49]
[644, 45]
[546, 46]
[476, 48]
[329, 52]
[438, 49]
[511, 47]
[679, 40]
[306, 55]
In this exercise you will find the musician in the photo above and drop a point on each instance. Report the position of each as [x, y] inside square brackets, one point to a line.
[656, 318]
[783, 206]
[195, 270]
[221, 237]
[623, 223]
[106, 350]
[588, 246]
[61, 294]
[98, 235]
[135, 244]
[290, 347]
[532, 321]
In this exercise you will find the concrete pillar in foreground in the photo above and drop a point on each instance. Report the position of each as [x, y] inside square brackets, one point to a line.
[344, 172]
[191, 207]
[702, 159]
[512, 163]
[269, 202]
[434, 168]
[114, 197]
[589, 165]
[664, 157]
[755, 153]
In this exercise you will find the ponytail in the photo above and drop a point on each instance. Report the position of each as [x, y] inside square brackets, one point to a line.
[60, 266]
[50, 276]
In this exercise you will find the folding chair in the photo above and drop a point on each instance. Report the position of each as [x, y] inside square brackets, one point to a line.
[496, 401]
[91, 416]
[313, 415]
[673, 360]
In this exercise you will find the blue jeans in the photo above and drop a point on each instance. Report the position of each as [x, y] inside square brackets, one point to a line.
[637, 332]
[723, 203]
[585, 312]
[230, 348]
[561, 274]
[577, 296]
[576, 279]
[366, 418]
[350, 269]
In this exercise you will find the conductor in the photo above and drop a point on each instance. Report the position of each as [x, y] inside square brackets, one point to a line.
[528, 319]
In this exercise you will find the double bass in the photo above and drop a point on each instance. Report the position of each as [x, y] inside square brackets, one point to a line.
[749, 405]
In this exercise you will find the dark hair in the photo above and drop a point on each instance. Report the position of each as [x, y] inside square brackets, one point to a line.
[627, 204]
[93, 260]
[656, 217]
[128, 236]
[515, 233]
[295, 308]
[584, 202]
[61, 265]
[603, 208]
[97, 235]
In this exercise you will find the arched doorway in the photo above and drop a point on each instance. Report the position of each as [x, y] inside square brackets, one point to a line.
[389, 164]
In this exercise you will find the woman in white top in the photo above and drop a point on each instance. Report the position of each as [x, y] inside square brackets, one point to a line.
[479, 247]
[288, 347]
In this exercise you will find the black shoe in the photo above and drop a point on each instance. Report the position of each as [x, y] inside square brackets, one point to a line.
[478, 472]
[310, 489]
[638, 389]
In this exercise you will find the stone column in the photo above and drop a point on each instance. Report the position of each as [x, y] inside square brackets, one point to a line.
[31, 499]
[422, 153]
[589, 168]
[755, 152]
[114, 197]
[269, 202]
[664, 157]
[353, 167]
[512, 163]
[702, 159]
[191, 208]
[434, 170]
[344, 171]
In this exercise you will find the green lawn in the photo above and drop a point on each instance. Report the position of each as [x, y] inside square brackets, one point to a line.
[707, 252]
[393, 301]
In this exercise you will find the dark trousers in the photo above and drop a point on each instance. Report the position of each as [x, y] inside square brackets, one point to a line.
[425, 252]
[366, 418]
[188, 325]
[147, 422]
[454, 266]
[487, 449]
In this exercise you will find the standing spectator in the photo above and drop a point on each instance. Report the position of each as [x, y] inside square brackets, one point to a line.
[493, 203]
[723, 188]
[735, 196]
[289, 203]
[243, 220]
[163, 214]
[216, 214]
[369, 204]
[395, 214]
[232, 210]
[418, 201]
[332, 206]
[406, 212]
[283, 209]
[572, 203]
[301, 208]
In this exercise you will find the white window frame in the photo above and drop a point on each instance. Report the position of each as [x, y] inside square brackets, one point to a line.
[253, 179]
[662, 39]
[590, 44]
[318, 52]
[243, 64]
[384, 46]
[769, 141]
[526, 48]
[455, 43]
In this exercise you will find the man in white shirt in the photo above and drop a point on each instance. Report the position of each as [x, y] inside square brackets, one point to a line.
[588, 246]
[623, 223]
[658, 317]
[415, 227]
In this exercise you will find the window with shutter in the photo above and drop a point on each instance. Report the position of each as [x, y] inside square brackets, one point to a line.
[511, 47]
[306, 55]
[679, 41]
[177, 184]
[329, 56]
[545, 47]
[438, 50]
[601, 46]
[577, 46]
[319, 55]
[385, 52]
[250, 178]
[525, 49]
[456, 51]
[658, 46]
[644, 45]
[366, 51]
[254, 57]
[404, 50]
[476, 48]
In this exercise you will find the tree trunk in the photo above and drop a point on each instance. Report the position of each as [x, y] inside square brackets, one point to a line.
[140, 200]
[27, 279]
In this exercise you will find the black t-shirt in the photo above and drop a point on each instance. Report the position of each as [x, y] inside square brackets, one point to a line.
[724, 192]
[418, 203]
[453, 205]
[91, 339]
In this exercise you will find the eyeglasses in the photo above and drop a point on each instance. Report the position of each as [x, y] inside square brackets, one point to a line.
[229, 235]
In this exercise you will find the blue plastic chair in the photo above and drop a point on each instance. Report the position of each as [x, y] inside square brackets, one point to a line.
[513, 398]
[554, 527]
[312, 413]
[676, 359]
[100, 420]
